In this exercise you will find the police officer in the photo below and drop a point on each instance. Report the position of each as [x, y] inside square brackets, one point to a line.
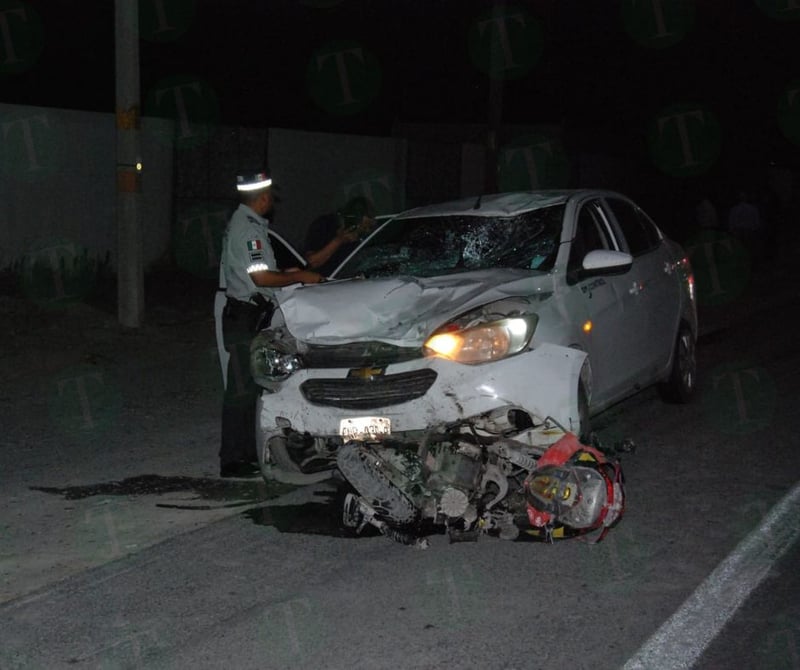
[249, 274]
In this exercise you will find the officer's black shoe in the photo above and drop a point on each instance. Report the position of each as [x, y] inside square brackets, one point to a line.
[239, 469]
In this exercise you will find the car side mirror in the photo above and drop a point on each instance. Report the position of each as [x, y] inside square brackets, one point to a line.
[606, 261]
[601, 262]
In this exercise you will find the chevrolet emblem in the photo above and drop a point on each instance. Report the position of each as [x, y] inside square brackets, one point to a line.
[367, 374]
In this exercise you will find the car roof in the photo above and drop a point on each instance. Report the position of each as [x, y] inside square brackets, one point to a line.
[500, 204]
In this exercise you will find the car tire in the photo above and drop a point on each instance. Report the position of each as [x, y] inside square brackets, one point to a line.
[680, 386]
[585, 428]
[357, 463]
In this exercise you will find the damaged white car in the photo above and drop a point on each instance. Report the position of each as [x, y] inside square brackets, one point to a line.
[517, 314]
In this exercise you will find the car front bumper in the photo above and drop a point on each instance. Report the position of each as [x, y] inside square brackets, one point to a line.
[542, 382]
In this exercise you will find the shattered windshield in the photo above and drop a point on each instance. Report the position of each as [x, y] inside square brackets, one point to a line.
[437, 245]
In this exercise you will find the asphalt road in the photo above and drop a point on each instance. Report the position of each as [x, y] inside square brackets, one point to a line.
[277, 584]
[765, 633]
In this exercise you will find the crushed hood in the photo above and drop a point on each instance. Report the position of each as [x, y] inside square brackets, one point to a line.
[399, 310]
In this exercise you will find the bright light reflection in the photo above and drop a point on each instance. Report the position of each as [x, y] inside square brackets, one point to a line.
[518, 327]
[445, 344]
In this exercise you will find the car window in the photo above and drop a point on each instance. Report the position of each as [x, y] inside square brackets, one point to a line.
[436, 245]
[638, 231]
[590, 234]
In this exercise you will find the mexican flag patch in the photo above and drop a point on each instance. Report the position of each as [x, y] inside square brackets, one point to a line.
[254, 245]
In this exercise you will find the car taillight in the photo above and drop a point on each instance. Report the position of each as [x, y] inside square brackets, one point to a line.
[688, 275]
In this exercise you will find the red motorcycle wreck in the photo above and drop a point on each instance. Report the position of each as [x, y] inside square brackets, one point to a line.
[468, 484]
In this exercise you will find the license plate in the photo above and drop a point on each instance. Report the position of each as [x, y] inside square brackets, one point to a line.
[365, 427]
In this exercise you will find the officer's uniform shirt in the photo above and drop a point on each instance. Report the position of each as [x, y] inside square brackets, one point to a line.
[246, 248]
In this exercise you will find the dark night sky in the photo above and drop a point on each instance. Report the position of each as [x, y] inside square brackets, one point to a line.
[590, 71]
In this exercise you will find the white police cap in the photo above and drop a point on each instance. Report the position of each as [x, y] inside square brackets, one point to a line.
[253, 181]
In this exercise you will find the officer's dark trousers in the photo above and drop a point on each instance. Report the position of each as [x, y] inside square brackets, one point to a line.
[241, 392]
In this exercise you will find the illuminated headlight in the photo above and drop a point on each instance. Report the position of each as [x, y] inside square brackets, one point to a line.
[272, 359]
[482, 342]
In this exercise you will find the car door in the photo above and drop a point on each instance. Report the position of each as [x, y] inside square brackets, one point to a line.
[610, 321]
[286, 256]
[655, 285]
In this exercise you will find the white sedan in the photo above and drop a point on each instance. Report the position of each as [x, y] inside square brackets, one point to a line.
[521, 314]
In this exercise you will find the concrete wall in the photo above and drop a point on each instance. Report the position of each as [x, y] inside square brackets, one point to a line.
[315, 173]
[58, 197]
[57, 180]
[58, 184]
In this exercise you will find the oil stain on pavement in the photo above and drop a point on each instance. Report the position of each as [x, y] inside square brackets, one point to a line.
[310, 518]
[232, 493]
[322, 517]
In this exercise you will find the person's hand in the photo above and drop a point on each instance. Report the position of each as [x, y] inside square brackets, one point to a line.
[307, 273]
[345, 234]
[310, 277]
[365, 227]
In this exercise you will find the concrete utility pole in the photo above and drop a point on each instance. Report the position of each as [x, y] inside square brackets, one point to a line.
[130, 263]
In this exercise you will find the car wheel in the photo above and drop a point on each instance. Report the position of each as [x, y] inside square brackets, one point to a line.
[360, 466]
[585, 428]
[680, 385]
